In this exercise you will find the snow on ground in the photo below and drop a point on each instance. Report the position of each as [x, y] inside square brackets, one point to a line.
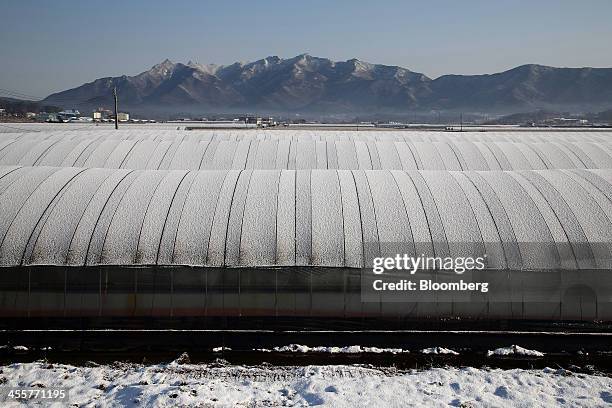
[514, 351]
[438, 350]
[299, 348]
[219, 385]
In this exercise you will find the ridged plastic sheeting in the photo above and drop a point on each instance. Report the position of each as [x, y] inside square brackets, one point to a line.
[363, 150]
[323, 218]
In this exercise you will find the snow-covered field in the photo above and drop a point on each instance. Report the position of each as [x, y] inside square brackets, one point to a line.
[222, 385]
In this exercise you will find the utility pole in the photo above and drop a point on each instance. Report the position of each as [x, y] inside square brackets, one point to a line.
[461, 127]
[116, 111]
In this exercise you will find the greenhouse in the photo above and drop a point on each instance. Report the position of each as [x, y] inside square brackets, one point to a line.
[88, 230]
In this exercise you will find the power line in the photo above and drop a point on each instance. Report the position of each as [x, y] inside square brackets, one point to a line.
[39, 99]
[32, 98]
[18, 93]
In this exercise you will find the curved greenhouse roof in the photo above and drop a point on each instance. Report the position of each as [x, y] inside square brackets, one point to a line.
[223, 150]
[327, 218]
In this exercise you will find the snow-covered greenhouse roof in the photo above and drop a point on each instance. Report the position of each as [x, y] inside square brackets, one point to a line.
[80, 216]
[366, 150]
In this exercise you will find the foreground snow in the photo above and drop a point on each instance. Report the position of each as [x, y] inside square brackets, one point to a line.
[300, 348]
[338, 386]
[439, 350]
[514, 351]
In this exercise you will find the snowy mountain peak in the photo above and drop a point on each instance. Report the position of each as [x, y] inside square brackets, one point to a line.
[164, 64]
[362, 65]
[272, 60]
[210, 69]
[164, 68]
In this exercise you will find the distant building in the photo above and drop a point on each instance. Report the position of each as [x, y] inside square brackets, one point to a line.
[265, 122]
[68, 114]
[566, 122]
[101, 115]
[248, 119]
[259, 121]
[121, 116]
[47, 117]
[30, 115]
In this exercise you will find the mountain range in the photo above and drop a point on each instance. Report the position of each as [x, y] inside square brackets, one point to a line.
[319, 85]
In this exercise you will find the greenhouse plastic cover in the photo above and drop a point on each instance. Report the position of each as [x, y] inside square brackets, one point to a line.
[292, 149]
[329, 218]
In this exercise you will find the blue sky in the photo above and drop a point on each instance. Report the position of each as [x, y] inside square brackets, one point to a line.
[49, 46]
